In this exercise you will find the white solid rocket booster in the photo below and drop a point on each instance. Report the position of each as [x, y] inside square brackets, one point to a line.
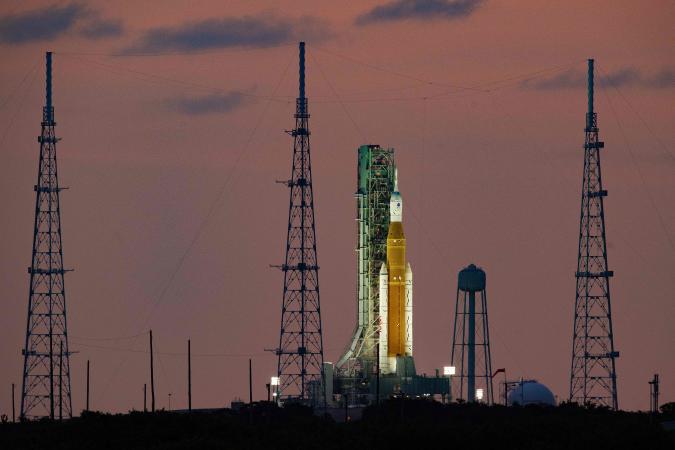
[384, 296]
[408, 310]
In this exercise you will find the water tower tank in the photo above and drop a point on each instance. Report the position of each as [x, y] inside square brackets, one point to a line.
[531, 392]
[471, 279]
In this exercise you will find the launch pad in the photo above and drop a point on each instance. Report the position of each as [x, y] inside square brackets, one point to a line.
[378, 362]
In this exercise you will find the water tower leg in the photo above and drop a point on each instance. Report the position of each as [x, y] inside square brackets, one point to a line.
[471, 359]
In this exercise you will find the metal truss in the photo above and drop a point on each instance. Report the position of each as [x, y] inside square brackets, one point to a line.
[375, 180]
[300, 351]
[593, 370]
[46, 370]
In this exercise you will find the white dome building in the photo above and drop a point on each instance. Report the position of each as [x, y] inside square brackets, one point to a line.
[530, 392]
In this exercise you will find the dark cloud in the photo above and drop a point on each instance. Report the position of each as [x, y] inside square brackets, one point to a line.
[101, 28]
[569, 79]
[420, 9]
[247, 31]
[207, 104]
[664, 79]
[621, 77]
[39, 24]
[54, 21]
[627, 76]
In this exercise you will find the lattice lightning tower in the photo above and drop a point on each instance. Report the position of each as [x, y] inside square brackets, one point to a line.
[300, 351]
[593, 373]
[46, 368]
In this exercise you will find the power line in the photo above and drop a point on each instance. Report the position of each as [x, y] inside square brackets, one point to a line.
[113, 338]
[175, 53]
[114, 374]
[133, 350]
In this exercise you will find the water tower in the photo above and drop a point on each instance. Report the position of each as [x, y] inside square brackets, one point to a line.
[471, 339]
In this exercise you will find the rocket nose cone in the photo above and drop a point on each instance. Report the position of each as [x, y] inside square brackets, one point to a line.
[383, 269]
[408, 270]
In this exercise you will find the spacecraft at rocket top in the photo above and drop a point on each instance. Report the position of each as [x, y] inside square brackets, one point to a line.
[396, 331]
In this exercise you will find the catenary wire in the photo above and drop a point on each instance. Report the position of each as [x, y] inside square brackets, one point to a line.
[337, 96]
[201, 227]
[214, 204]
[150, 77]
[659, 216]
[665, 148]
[20, 107]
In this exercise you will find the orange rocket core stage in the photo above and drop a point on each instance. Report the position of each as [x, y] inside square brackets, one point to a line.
[397, 290]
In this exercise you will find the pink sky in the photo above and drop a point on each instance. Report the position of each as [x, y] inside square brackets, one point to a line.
[489, 175]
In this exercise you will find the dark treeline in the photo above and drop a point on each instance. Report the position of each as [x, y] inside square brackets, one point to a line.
[416, 425]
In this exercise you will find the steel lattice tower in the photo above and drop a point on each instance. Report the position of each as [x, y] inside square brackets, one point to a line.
[46, 368]
[300, 351]
[593, 373]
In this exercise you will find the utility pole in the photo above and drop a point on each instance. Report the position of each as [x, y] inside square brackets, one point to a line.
[87, 409]
[152, 376]
[506, 391]
[250, 381]
[654, 394]
[189, 378]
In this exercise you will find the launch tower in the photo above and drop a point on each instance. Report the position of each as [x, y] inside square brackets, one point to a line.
[593, 372]
[375, 184]
[46, 366]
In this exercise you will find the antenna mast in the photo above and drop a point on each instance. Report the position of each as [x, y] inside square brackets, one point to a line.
[46, 367]
[593, 372]
[300, 351]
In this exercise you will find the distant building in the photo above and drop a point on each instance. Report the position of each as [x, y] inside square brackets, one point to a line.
[530, 392]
